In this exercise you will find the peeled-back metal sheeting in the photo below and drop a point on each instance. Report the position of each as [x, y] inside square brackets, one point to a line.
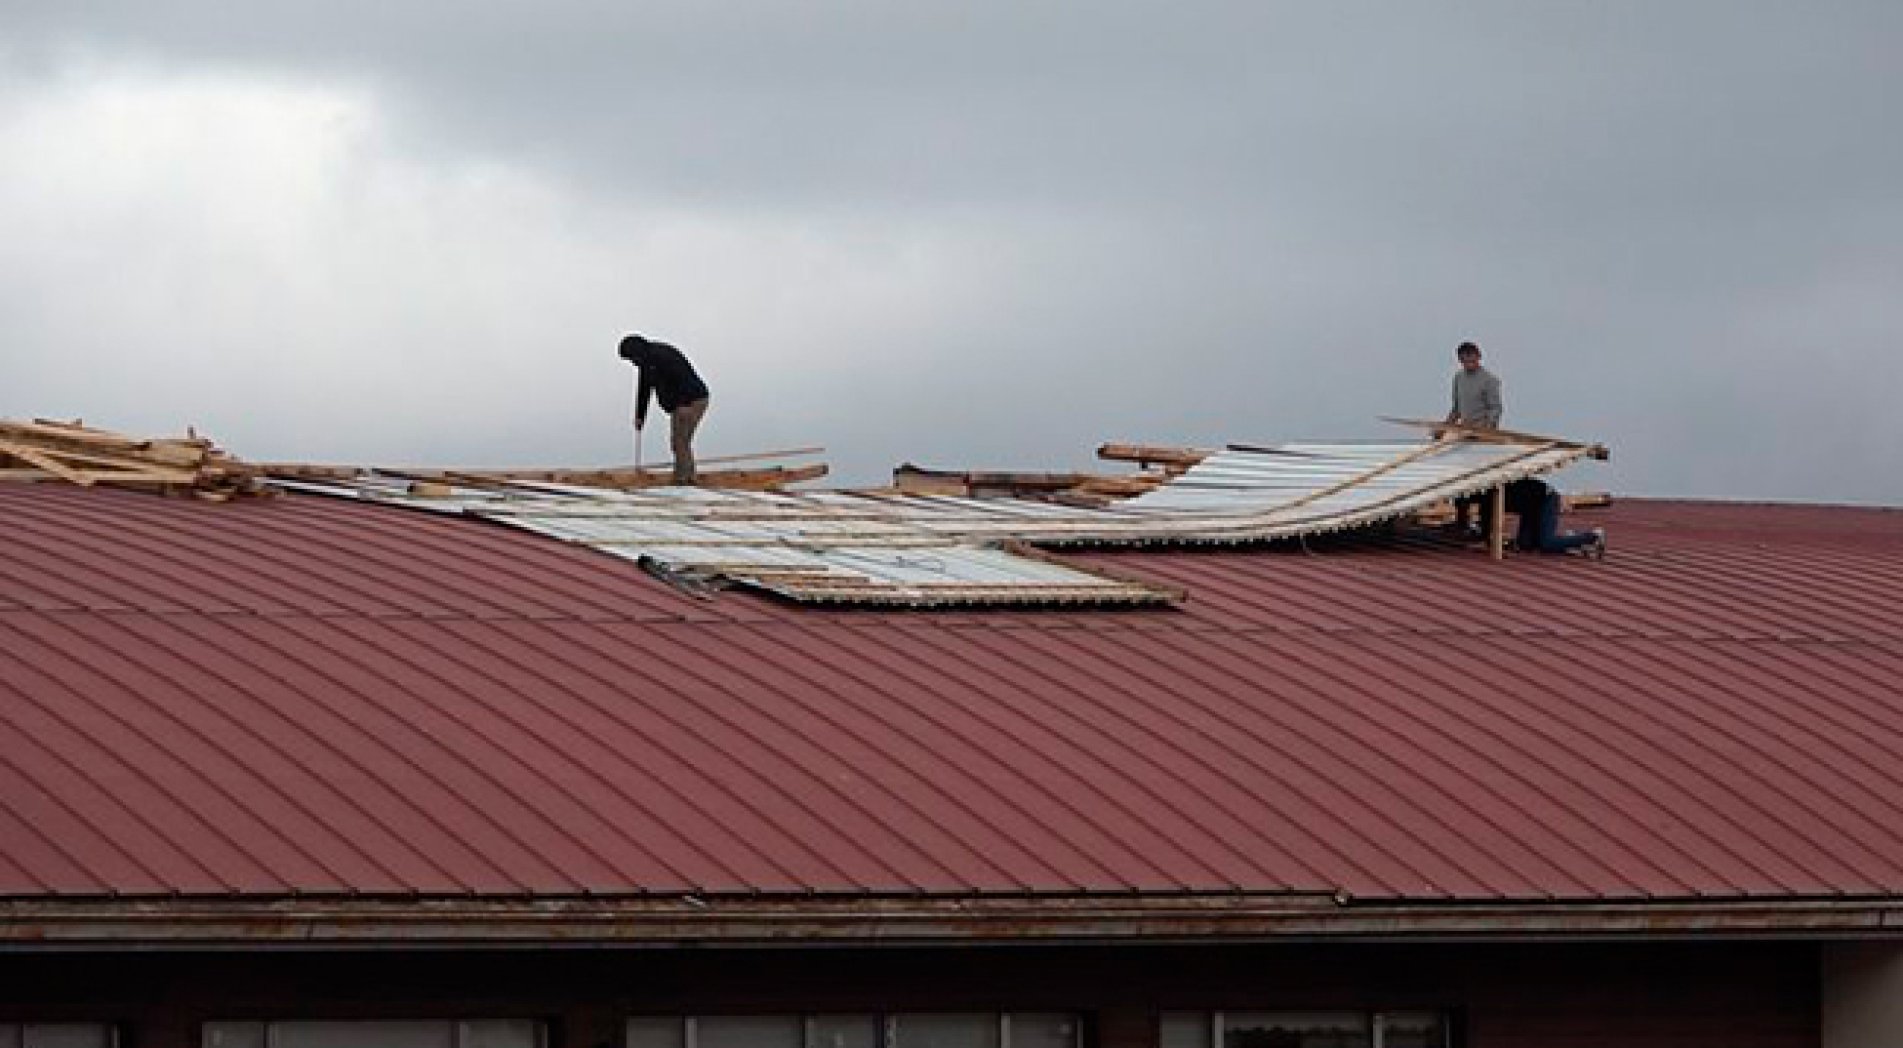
[927, 550]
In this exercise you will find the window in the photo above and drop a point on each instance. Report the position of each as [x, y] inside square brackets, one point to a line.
[1303, 1029]
[58, 1035]
[864, 1030]
[480, 1033]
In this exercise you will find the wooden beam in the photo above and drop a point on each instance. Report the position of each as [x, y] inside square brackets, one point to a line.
[1146, 454]
[47, 462]
[1497, 532]
[1499, 436]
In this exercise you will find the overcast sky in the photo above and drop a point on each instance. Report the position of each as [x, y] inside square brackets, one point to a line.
[972, 233]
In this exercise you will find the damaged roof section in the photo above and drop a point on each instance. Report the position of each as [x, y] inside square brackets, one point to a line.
[892, 548]
[822, 548]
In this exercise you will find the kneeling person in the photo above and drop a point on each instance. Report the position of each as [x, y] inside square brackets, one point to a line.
[1538, 507]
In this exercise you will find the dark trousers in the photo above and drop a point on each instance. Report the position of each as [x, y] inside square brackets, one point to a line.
[1540, 530]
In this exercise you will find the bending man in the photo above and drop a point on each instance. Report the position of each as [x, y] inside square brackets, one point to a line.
[674, 382]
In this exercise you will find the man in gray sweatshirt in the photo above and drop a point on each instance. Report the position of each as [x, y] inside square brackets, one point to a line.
[1476, 391]
[1476, 403]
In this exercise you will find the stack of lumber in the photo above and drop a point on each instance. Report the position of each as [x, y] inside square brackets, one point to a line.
[49, 450]
[1156, 464]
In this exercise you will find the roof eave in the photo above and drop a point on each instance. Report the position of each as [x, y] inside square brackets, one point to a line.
[694, 920]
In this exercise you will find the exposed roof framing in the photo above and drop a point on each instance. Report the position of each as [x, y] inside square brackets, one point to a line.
[934, 550]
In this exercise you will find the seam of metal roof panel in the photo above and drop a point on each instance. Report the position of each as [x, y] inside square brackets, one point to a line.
[1742, 842]
[360, 562]
[1868, 683]
[13, 781]
[270, 540]
[21, 572]
[393, 802]
[728, 779]
[1080, 783]
[869, 755]
[528, 675]
[207, 578]
[17, 874]
[1227, 704]
[146, 629]
[1089, 839]
[847, 841]
[1773, 587]
[1417, 822]
[584, 576]
[850, 663]
[1005, 735]
[456, 556]
[146, 807]
[526, 635]
[1108, 780]
[81, 573]
[34, 589]
[167, 533]
[102, 815]
[104, 666]
[755, 788]
[1429, 770]
[1225, 741]
[1144, 717]
[21, 781]
[1451, 770]
[1756, 648]
[1439, 676]
[497, 751]
[1770, 750]
[432, 762]
[1722, 607]
[1718, 829]
[1791, 729]
[1134, 669]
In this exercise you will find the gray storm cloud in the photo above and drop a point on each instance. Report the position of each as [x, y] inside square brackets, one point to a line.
[986, 235]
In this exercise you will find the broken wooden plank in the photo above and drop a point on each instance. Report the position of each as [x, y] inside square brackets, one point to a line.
[1498, 436]
[47, 462]
[1151, 454]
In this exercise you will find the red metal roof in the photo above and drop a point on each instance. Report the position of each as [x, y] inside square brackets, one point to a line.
[305, 695]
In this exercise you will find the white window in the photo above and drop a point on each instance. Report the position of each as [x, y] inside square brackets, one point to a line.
[408, 1033]
[1303, 1029]
[58, 1035]
[842, 1031]
[748, 1031]
[863, 1030]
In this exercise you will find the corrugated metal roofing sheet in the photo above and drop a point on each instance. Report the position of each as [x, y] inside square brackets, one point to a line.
[937, 551]
[317, 696]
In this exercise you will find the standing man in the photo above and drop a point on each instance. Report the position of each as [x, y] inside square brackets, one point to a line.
[1476, 404]
[682, 394]
[1476, 391]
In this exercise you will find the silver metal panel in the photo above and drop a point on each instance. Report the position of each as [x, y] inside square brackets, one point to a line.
[869, 547]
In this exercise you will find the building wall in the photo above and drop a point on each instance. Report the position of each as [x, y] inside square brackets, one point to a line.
[1744, 995]
[1862, 988]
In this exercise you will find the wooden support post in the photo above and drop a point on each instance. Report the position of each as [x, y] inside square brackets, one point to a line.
[1497, 528]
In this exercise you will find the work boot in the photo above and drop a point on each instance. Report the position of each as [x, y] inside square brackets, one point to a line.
[1597, 548]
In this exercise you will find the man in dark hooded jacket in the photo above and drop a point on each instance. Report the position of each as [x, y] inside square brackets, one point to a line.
[1538, 507]
[666, 373]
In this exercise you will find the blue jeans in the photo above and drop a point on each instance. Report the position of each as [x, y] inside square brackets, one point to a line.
[1540, 530]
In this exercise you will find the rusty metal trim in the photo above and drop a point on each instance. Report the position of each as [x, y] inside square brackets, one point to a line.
[686, 920]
